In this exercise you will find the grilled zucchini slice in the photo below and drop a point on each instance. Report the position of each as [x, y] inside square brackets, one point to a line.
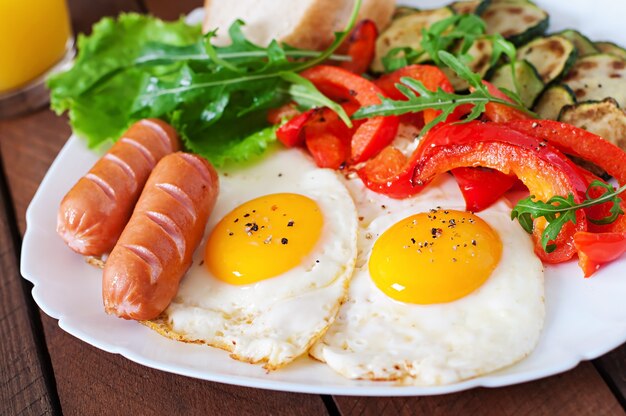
[612, 49]
[596, 77]
[581, 42]
[518, 21]
[529, 81]
[552, 100]
[401, 11]
[604, 118]
[480, 51]
[552, 56]
[406, 31]
[470, 6]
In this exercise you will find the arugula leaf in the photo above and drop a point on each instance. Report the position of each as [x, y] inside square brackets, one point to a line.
[444, 34]
[560, 210]
[438, 100]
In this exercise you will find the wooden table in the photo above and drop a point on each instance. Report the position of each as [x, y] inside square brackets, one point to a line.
[43, 370]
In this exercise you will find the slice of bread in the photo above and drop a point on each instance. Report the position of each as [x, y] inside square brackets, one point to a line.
[306, 24]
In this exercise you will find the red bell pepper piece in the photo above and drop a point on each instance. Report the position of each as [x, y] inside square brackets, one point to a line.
[389, 173]
[432, 77]
[543, 169]
[596, 249]
[602, 243]
[339, 84]
[482, 187]
[327, 138]
[597, 212]
[361, 47]
[291, 133]
[501, 113]
[578, 142]
[327, 149]
[482, 190]
[284, 112]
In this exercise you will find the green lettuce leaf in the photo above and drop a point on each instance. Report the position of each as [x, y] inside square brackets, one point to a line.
[101, 87]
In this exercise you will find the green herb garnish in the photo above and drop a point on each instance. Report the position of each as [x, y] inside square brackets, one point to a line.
[455, 34]
[559, 210]
[439, 100]
[216, 97]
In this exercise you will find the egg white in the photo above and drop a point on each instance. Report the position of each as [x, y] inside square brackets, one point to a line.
[275, 320]
[378, 338]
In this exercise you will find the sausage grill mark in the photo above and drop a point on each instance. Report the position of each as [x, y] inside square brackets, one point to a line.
[143, 149]
[151, 260]
[171, 229]
[198, 165]
[102, 184]
[124, 166]
[165, 139]
[180, 196]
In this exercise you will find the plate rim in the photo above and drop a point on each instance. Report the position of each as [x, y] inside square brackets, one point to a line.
[490, 380]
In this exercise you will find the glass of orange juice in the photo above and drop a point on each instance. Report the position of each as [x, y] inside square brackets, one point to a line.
[35, 39]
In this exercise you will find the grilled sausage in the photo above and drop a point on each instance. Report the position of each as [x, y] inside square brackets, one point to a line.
[94, 212]
[142, 273]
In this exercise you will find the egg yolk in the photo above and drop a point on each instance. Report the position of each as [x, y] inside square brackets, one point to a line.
[434, 257]
[263, 238]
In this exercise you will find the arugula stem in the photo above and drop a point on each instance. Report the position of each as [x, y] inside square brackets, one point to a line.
[236, 55]
[336, 43]
[587, 203]
[245, 78]
[400, 108]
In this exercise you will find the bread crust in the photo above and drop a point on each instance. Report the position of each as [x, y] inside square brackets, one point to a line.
[321, 19]
[317, 26]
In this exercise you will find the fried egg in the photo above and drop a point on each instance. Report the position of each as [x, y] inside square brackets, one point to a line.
[275, 265]
[438, 295]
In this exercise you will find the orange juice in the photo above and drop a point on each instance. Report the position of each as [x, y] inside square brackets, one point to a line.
[33, 37]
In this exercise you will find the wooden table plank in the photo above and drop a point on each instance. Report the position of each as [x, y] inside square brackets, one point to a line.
[90, 381]
[26, 382]
[170, 10]
[86, 13]
[612, 367]
[577, 392]
[102, 383]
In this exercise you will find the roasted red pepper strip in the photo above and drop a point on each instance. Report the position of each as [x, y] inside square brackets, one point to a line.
[361, 47]
[501, 113]
[603, 243]
[290, 134]
[284, 112]
[389, 173]
[543, 169]
[597, 212]
[480, 190]
[578, 142]
[432, 77]
[337, 83]
[327, 138]
[596, 249]
[482, 187]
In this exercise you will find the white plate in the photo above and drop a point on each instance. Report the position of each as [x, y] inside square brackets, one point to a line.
[585, 317]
